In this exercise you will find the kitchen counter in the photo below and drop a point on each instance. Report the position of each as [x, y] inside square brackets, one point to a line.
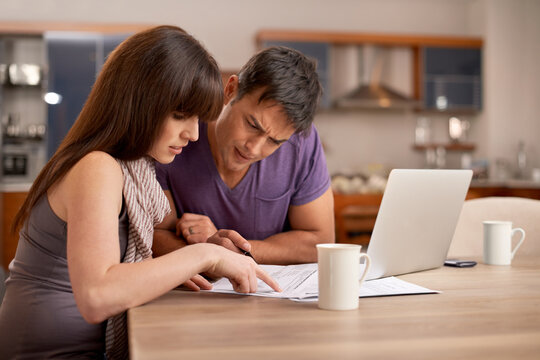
[15, 187]
[513, 187]
[509, 184]
[355, 213]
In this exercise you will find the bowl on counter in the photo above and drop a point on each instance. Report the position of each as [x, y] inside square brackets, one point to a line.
[24, 74]
[3, 73]
[358, 184]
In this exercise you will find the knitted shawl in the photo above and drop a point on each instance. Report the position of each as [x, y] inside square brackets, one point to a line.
[146, 206]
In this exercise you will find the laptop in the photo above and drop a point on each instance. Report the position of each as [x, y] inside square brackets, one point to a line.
[416, 220]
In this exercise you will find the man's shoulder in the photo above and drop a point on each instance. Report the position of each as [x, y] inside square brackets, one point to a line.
[298, 144]
[294, 153]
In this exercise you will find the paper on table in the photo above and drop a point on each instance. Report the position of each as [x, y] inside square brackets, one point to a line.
[387, 286]
[300, 283]
[292, 279]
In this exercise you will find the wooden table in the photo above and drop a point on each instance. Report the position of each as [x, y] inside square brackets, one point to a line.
[484, 312]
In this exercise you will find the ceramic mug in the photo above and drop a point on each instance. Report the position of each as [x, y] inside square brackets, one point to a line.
[498, 242]
[339, 275]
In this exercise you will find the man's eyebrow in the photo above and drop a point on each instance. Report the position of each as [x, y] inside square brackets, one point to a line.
[259, 127]
[256, 123]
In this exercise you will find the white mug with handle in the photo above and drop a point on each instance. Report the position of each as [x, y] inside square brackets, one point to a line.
[339, 275]
[498, 242]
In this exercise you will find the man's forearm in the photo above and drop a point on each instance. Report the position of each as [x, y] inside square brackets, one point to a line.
[165, 241]
[291, 247]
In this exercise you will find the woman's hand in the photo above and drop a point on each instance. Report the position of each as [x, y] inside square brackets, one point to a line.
[242, 271]
[197, 283]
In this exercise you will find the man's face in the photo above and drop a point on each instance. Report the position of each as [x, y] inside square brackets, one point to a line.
[248, 131]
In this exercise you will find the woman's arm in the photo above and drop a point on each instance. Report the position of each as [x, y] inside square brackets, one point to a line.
[89, 199]
[165, 238]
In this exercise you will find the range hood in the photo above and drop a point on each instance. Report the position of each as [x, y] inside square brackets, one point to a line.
[372, 93]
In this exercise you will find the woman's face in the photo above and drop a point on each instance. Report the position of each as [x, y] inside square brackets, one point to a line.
[178, 130]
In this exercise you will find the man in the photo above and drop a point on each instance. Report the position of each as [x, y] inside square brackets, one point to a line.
[258, 169]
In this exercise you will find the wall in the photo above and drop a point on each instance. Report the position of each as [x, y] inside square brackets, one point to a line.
[356, 139]
[512, 83]
[228, 27]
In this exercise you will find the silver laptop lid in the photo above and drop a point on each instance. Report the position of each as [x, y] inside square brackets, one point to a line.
[416, 220]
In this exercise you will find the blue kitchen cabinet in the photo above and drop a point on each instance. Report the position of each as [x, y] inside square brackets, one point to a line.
[318, 51]
[74, 60]
[452, 78]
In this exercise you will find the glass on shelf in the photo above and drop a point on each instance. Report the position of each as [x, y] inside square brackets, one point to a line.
[422, 131]
[457, 129]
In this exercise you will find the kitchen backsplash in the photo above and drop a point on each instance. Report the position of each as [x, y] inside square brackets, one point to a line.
[359, 141]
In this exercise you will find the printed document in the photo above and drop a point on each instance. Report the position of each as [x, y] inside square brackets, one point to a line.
[300, 283]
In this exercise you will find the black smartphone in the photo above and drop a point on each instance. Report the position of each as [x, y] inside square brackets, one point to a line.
[460, 263]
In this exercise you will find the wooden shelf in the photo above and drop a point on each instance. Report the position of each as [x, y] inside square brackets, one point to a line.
[446, 146]
[40, 27]
[344, 38]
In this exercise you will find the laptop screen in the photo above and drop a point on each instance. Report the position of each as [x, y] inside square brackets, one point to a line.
[416, 220]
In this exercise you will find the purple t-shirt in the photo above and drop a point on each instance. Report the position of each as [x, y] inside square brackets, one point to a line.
[257, 207]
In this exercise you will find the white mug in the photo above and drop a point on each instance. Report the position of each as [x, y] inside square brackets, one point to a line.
[339, 275]
[498, 242]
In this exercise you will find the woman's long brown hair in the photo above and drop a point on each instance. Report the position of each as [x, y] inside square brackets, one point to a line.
[148, 76]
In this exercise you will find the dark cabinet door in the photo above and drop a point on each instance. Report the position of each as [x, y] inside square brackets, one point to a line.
[72, 71]
[74, 60]
[452, 78]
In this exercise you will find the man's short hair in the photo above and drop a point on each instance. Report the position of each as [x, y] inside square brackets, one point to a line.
[287, 77]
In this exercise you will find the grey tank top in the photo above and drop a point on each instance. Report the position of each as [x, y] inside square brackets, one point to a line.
[39, 318]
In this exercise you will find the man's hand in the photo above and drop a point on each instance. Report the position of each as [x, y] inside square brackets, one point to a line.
[228, 239]
[231, 240]
[195, 228]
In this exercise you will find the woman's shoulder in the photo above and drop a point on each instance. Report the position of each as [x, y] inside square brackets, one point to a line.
[97, 165]
[97, 175]
[97, 160]
[97, 157]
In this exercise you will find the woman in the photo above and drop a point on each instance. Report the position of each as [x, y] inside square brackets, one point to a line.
[89, 216]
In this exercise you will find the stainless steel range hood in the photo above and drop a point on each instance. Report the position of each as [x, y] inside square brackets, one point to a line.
[372, 93]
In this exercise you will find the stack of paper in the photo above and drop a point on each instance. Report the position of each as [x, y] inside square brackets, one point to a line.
[300, 283]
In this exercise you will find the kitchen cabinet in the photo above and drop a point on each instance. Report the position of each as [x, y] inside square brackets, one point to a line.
[10, 205]
[355, 216]
[522, 188]
[452, 78]
[425, 52]
[22, 110]
[72, 70]
[74, 60]
[75, 54]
